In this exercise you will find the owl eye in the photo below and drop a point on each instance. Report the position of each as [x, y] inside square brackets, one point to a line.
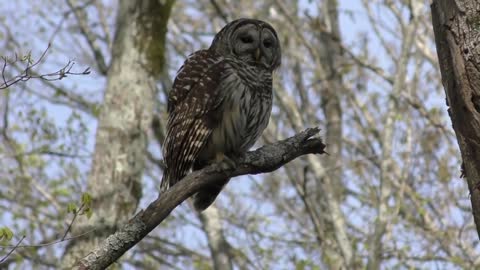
[267, 43]
[246, 39]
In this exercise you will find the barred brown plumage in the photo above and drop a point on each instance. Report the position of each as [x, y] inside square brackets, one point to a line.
[220, 102]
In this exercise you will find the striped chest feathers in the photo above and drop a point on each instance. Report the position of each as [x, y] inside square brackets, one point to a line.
[246, 108]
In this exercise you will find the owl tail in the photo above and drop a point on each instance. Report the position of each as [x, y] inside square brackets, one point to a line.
[205, 197]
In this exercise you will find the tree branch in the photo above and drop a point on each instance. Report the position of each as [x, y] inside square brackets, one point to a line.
[82, 19]
[266, 159]
[28, 72]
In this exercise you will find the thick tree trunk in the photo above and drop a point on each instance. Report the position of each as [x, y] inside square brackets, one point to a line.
[457, 35]
[121, 140]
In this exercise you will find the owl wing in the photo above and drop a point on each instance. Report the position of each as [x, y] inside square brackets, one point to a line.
[191, 106]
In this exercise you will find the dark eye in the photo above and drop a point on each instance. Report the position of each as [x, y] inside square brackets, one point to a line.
[267, 43]
[246, 39]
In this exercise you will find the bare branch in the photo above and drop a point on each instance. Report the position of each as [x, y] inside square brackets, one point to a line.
[50, 242]
[12, 250]
[27, 72]
[75, 214]
[81, 210]
[219, 11]
[81, 16]
[266, 159]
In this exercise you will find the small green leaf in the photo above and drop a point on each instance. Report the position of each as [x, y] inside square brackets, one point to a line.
[86, 199]
[71, 208]
[61, 192]
[96, 110]
[6, 233]
[88, 212]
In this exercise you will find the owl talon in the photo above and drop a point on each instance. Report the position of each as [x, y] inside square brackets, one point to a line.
[225, 162]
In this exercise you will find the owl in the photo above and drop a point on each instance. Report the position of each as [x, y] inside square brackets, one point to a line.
[220, 103]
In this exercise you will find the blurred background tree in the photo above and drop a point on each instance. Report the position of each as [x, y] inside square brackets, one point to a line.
[389, 195]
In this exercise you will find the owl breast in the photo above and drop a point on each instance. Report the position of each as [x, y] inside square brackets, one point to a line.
[243, 114]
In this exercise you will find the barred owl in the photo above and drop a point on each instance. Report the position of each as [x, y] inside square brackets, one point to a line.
[220, 102]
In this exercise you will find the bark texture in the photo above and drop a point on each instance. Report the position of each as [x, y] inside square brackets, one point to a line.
[456, 26]
[219, 247]
[121, 139]
[265, 159]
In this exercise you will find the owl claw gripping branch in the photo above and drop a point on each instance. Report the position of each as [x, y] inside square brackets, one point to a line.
[220, 102]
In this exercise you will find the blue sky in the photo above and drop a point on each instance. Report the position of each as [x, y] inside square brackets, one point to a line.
[29, 29]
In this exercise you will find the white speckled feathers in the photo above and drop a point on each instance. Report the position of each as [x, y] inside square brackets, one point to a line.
[220, 102]
[192, 97]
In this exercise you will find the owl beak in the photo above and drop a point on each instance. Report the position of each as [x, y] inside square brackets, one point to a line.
[257, 55]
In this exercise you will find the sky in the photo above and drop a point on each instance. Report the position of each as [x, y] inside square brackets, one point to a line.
[28, 28]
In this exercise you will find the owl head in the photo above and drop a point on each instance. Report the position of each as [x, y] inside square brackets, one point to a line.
[254, 42]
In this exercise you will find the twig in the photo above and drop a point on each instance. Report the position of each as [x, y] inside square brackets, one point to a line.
[73, 220]
[12, 250]
[219, 11]
[28, 73]
[51, 242]
[86, 30]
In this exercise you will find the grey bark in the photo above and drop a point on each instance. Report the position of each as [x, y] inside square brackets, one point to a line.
[219, 247]
[118, 163]
[456, 26]
[266, 159]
